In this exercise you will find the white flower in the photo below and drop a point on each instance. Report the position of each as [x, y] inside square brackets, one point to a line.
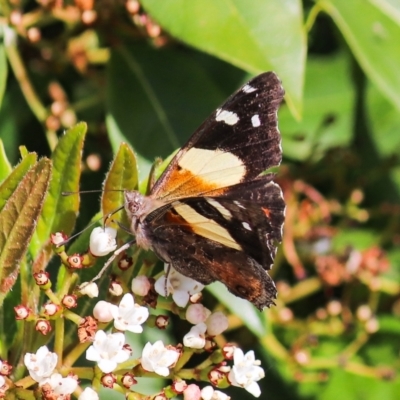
[208, 393]
[90, 289]
[196, 338]
[197, 313]
[140, 285]
[129, 316]
[40, 365]
[2, 381]
[246, 371]
[107, 350]
[217, 323]
[102, 241]
[61, 386]
[157, 358]
[88, 394]
[102, 311]
[179, 285]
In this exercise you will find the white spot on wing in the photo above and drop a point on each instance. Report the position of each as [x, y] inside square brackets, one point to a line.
[246, 226]
[255, 120]
[214, 166]
[239, 204]
[229, 117]
[223, 211]
[248, 89]
[205, 227]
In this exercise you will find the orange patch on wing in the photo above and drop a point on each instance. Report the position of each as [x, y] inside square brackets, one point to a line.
[183, 183]
[267, 212]
[174, 218]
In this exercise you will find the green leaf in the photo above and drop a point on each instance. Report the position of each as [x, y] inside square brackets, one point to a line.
[14, 179]
[18, 220]
[390, 7]
[374, 39]
[60, 212]
[3, 72]
[255, 35]
[251, 317]
[327, 119]
[5, 166]
[123, 175]
[385, 121]
[116, 138]
[155, 109]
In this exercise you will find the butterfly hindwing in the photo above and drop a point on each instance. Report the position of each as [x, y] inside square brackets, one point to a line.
[206, 260]
[231, 239]
[234, 144]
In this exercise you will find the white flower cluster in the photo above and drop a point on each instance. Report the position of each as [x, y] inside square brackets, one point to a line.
[181, 287]
[41, 368]
[108, 350]
[204, 322]
[246, 371]
[128, 316]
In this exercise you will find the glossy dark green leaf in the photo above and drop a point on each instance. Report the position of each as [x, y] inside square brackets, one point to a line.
[123, 175]
[256, 35]
[373, 37]
[157, 98]
[14, 179]
[60, 212]
[18, 220]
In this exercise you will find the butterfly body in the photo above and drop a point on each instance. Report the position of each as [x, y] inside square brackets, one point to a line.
[214, 214]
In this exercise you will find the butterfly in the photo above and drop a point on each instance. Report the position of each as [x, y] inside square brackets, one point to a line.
[215, 214]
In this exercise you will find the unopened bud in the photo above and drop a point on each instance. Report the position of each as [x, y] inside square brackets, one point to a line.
[108, 380]
[43, 326]
[22, 312]
[70, 301]
[51, 309]
[128, 380]
[115, 289]
[162, 321]
[42, 278]
[75, 261]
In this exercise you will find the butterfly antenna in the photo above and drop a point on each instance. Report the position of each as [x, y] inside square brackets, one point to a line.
[105, 219]
[111, 259]
[91, 191]
[79, 233]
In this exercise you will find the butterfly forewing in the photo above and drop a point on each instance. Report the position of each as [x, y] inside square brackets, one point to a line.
[235, 144]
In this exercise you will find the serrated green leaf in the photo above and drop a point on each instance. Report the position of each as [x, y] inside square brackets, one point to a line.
[256, 35]
[5, 166]
[18, 220]
[123, 175]
[374, 39]
[3, 72]
[14, 179]
[60, 212]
